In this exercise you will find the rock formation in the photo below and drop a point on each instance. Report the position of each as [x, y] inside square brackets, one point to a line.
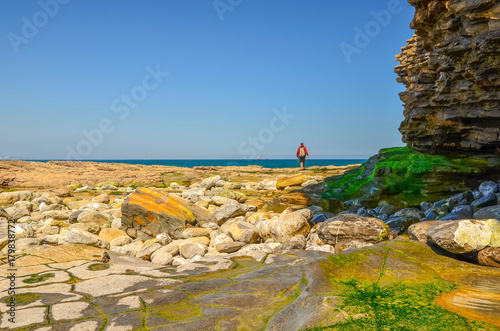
[451, 70]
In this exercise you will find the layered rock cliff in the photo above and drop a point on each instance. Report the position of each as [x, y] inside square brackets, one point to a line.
[451, 70]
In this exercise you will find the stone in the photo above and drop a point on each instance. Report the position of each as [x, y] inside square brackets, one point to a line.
[196, 232]
[94, 216]
[172, 249]
[163, 258]
[485, 201]
[465, 198]
[284, 228]
[61, 215]
[208, 183]
[129, 249]
[410, 213]
[24, 230]
[465, 236]
[189, 250]
[75, 236]
[162, 213]
[110, 234]
[244, 232]
[488, 187]
[17, 212]
[147, 250]
[229, 247]
[230, 194]
[76, 205]
[120, 241]
[94, 228]
[460, 213]
[103, 198]
[294, 180]
[346, 228]
[72, 311]
[400, 224]
[418, 231]
[219, 201]
[8, 198]
[386, 209]
[489, 256]
[488, 212]
[297, 242]
[229, 210]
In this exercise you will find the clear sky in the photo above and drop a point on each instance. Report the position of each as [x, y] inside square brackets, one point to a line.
[176, 79]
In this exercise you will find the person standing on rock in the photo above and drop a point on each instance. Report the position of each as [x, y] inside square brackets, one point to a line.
[301, 155]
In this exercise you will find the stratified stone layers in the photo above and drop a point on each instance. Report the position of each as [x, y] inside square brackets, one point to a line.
[451, 70]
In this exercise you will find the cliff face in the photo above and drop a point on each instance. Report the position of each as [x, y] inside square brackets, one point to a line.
[451, 70]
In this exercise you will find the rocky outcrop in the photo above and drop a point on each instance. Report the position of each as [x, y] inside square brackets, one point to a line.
[451, 70]
[153, 213]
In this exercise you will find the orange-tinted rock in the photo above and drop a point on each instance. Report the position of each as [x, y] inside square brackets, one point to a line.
[294, 180]
[160, 213]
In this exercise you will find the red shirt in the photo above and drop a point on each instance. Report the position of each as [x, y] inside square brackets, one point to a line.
[298, 150]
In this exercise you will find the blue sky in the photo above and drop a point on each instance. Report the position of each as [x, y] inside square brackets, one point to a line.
[175, 79]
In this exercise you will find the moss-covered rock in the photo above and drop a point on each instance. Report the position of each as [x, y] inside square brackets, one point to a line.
[404, 177]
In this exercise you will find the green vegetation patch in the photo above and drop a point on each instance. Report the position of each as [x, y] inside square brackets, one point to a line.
[179, 312]
[23, 299]
[403, 174]
[399, 306]
[98, 267]
[38, 278]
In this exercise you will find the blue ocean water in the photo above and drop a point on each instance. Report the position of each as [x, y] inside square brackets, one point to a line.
[270, 163]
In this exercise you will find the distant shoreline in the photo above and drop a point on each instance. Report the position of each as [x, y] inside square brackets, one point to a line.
[191, 163]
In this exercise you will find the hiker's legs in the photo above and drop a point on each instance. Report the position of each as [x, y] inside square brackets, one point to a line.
[302, 165]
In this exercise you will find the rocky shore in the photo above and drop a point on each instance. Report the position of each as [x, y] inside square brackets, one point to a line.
[114, 240]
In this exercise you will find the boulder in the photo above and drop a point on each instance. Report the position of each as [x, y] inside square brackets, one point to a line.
[147, 250]
[464, 198]
[8, 198]
[410, 213]
[418, 231]
[17, 212]
[76, 205]
[465, 236]
[23, 230]
[488, 187]
[130, 249]
[60, 215]
[284, 228]
[103, 198]
[297, 242]
[252, 219]
[109, 234]
[294, 180]
[121, 241]
[230, 194]
[189, 250]
[489, 257]
[159, 213]
[196, 232]
[229, 210]
[91, 227]
[208, 183]
[193, 195]
[219, 238]
[243, 232]
[400, 224]
[488, 212]
[82, 237]
[350, 228]
[219, 201]
[172, 249]
[229, 247]
[94, 216]
[485, 201]
[460, 213]
[164, 258]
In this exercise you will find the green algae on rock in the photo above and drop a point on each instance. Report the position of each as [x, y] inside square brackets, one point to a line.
[405, 177]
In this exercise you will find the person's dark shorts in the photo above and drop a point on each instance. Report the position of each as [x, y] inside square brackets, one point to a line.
[302, 159]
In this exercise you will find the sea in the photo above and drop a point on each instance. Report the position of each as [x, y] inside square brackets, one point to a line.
[265, 163]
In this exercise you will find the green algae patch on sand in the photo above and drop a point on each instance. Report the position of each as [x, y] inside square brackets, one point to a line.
[179, 312]
[404, 177]
[38, 278]
[98, 267]
[23, 299]
[399, 306]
